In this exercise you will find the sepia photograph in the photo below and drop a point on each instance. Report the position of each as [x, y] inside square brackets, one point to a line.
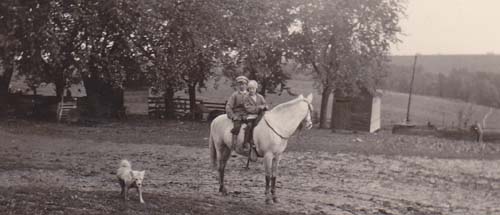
[210, 107]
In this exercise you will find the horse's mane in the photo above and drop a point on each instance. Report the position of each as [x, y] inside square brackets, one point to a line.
[287, 104]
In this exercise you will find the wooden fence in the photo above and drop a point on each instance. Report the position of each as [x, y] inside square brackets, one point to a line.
[205, 111]
[66, 110]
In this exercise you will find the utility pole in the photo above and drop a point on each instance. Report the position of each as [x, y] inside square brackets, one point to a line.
[411, 90]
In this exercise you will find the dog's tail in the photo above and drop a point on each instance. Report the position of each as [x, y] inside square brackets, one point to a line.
[125, 164]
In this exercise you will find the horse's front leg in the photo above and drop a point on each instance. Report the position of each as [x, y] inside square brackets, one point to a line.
[276, 161]
[268, 159]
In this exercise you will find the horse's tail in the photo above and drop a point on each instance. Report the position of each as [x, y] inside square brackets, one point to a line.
[213, 152]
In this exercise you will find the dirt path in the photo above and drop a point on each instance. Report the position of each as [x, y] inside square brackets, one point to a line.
[48, 175]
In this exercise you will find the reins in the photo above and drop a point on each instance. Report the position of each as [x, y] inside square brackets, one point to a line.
[309, 106]
[269, 125]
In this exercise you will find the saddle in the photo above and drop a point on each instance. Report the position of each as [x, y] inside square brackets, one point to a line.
[255, 119]
[250, 122]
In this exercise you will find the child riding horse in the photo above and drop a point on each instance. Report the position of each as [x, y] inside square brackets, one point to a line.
[255, 105]
[235, 108]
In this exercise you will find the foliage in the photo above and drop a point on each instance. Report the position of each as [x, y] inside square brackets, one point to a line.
[10, 28]
[179, 45]
[262, 43]
[346, 43]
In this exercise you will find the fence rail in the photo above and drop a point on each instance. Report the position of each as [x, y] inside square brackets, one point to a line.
[182, 108]
[65, 107]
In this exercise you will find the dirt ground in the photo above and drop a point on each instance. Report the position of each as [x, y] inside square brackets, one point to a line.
[49, 168]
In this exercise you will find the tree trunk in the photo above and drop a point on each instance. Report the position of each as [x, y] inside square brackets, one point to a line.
[118, 103]
[92, 89]
[325, 97]
[263, 87]
[60, 85]
[169, 104]
[104, 100]
[4, 86]
[192, 100]
[333, 114]
[5, 78]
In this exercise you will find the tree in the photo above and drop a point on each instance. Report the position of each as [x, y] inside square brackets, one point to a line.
[203, 44]
[10, 29]
[346, 43]
[32, 16]
[66, 41]
[104, 51]
[182, 42]
[261, 43]
[171, 46]
[62, 38]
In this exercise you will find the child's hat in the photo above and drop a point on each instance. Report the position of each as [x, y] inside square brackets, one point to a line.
[242, 78]
[252, 83]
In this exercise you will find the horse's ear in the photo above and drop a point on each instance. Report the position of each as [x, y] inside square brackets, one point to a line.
[309, 97]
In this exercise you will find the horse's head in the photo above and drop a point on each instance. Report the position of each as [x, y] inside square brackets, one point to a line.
[307, 121]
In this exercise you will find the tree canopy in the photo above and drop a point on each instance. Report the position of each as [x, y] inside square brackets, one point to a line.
[179, 45]
[346, 43]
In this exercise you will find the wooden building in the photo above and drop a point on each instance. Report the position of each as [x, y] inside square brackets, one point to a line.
[42, 102]
[360, 113]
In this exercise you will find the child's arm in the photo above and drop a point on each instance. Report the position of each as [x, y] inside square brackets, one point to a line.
[264, 103]
[249, 106]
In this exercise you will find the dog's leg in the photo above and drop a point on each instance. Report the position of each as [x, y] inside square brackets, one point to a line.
[126, 193]
[139, 190]
[122, 185]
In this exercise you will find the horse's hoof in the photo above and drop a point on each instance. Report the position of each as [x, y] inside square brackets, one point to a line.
[223, 191]
[269, 201]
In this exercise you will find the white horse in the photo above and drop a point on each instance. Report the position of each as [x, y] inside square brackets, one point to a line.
[270, 137]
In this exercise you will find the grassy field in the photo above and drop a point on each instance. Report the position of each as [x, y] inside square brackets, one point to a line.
[438, 111]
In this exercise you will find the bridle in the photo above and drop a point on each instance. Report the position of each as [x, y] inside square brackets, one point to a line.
[310, 107]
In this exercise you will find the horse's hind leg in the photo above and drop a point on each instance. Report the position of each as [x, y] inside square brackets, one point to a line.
[225, 153]
[276, 161]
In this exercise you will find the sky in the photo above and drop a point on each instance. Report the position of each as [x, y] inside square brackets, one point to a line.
[450, 27]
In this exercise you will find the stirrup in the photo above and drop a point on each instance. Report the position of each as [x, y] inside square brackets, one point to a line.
[234, 141]
[253, 154]
[246, 146]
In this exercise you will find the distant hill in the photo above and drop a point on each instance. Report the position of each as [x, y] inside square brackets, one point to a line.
[446, 63]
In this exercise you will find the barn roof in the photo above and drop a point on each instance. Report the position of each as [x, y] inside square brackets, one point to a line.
[364, 91]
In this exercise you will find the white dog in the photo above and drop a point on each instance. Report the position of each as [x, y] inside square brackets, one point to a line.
[129, 178]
